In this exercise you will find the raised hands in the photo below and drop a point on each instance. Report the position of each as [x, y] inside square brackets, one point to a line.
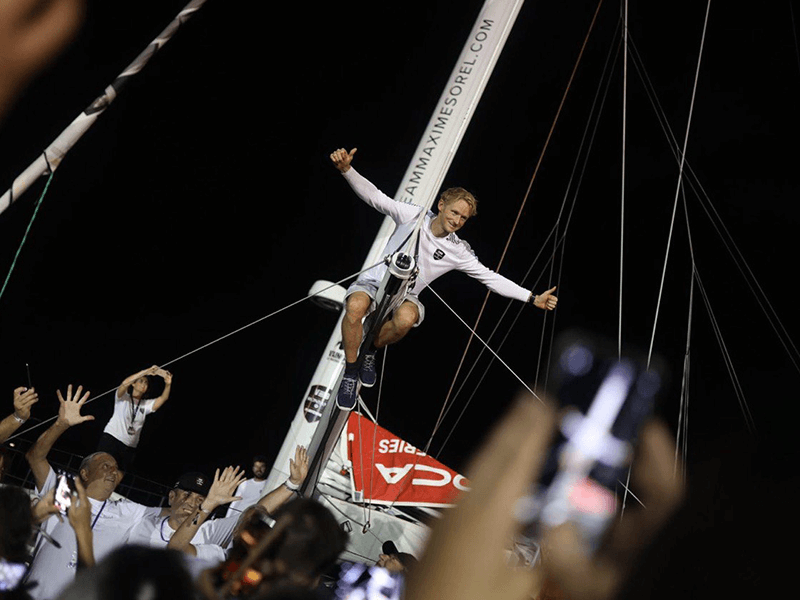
[341, 159]
[223, 488]
[298, 468]
[69, 410]
[24, 398]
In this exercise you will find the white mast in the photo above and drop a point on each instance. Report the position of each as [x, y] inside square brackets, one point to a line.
[420, 185]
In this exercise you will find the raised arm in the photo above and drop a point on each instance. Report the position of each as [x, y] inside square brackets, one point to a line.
[167, 377]
[69, 414]
[221, 492]
[298, 471]
[341, 159]
[24, 398]
[128, 381]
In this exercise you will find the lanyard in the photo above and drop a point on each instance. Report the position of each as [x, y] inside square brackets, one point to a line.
[100, 512]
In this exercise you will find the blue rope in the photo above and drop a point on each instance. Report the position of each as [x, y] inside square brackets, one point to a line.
[25, 237]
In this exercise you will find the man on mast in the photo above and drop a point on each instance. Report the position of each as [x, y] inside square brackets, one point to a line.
[440, 251]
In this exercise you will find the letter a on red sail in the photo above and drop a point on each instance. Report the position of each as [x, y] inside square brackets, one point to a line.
[389, 470]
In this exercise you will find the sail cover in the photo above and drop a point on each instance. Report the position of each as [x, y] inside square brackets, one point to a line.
[388, 470]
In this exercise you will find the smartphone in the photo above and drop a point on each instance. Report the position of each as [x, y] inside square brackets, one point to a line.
[65, 490]
[604, 399]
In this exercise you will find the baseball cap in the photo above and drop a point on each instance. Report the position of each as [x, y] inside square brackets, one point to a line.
[193, 482]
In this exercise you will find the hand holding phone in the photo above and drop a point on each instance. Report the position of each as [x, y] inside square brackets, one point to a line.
[65, 491]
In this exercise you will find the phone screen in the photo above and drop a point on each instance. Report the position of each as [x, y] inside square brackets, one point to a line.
[604, 399]
[64, 490]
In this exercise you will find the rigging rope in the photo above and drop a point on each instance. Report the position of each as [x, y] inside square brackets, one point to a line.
[682, 434]
[522, 206]
[592, 124]
[219, 339]
[25, 235]
[716, 222]
[622, 186]
[675, 202]
[680, 179]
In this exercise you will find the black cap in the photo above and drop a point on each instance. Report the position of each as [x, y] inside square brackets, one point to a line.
[193, 482]
[406, 559]
[389, 547]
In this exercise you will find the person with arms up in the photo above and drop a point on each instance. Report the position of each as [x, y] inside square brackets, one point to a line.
[111, 520]
[194, 529]
[131, 407]
[440, 251]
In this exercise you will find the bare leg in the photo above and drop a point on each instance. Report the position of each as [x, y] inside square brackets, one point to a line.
[352, 327]
[403, 319]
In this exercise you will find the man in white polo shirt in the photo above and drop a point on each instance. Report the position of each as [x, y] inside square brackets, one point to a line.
[111, 522]
[195, 491]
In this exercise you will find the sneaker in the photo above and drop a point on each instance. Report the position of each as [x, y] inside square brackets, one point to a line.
[367, 374]
[348, 390]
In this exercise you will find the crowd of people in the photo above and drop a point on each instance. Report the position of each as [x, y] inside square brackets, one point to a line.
[73, 538]
[277, 544]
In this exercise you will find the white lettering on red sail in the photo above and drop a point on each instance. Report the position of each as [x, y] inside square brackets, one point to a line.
[389, 470]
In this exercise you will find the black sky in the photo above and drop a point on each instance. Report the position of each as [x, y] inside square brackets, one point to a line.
[203, 200]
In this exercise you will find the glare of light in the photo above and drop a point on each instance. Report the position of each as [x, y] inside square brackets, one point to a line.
[577, 360]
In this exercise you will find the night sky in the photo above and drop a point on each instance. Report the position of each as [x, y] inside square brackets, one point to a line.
[204, 199]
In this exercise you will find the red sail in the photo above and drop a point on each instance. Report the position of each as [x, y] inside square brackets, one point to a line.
[389, 470]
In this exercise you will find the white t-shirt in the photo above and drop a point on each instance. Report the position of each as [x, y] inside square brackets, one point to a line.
[112, 521]
[251, 492]
[128, 413]
[210, 540]
[437, 256]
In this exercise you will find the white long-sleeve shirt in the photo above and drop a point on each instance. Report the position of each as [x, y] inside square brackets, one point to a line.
[437, 255]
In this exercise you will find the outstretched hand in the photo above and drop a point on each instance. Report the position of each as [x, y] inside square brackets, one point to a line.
[24, 398]
[341, 159]
[298, 468]
[224, 487]
[546, 300]
[69, 410]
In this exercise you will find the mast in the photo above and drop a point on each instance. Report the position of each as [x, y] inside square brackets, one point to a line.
[50, 159]
[318, 422]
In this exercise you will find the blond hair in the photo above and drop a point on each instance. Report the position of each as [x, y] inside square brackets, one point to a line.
[455, 194]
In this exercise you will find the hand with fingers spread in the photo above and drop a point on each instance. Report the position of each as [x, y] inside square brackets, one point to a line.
[223, 488]
[546, 300]
[341, 159]
[221, 492]
[298, 468]
[69, 410]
